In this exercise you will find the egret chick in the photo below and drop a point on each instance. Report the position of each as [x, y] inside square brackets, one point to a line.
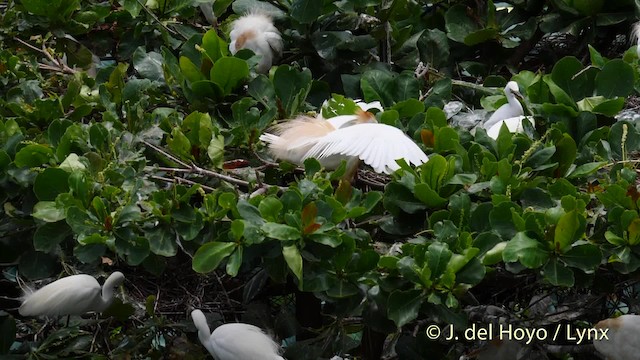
[511, 109]
[72, 295]
[345, 137]
[621, 341]
[256, 32]
[235, 341]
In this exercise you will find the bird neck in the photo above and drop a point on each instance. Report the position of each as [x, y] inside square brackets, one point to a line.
[513, 101]
[204, 334]
[107, 291]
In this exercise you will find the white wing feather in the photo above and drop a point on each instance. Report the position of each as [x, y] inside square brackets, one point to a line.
[378, 145]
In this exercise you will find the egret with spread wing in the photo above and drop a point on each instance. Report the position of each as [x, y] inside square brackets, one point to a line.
[345, 137]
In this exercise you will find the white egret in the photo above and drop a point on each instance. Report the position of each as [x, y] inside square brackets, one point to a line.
[511, 113]
[235, 341]
[344, 137]
[621, 341]
[256, 32]
[72, 295]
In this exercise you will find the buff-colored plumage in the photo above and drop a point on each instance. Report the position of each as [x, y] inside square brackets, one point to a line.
[346, 137]
[622, 342]
[235, 341]
[256, 32]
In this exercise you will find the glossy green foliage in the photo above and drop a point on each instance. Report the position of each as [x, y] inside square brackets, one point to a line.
[146, 158]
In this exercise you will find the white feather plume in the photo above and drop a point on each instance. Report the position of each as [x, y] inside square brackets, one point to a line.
[255, 31]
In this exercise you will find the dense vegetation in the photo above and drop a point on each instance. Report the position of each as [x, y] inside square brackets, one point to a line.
[129, 141]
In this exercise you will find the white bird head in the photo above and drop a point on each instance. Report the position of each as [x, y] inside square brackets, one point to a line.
[512, 89]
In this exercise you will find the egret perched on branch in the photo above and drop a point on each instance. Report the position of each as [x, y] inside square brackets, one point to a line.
[256, 32]
[345, 137]
[621, 341]
[72, 295]
[235, 341]
[511, 113]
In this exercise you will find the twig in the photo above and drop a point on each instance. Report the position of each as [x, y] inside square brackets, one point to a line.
[161, 151]
[178, 180]
[195, 169]
[61, 66]
[156, 19]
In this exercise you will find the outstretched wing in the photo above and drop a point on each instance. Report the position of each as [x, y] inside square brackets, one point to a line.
[378, 145]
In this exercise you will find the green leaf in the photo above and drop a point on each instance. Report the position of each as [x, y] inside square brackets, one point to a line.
[438, 257]
[403, 306]
[586, 257]
[208, 256]
[558, 274]
[306, 11]
[378, 85]
[229, 72]
[49, 183]
[270, 208]
[565, 154]
[291, 87]
[214, 46]
[399, 197]
[586, 169]
[566, 230]
[565, 75]
[81, 222]
[530, 252]
[162, 241]
[190, 70]
[458, 23]
[48, 211]
[33, 155]
[7, 333]
[434, 171]
[235, 261]
[428, 196]
[215, 151]
[293, 259]
[179, 144]
[47, 237]
[615, 79]
[280, 231]
[148, 64]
